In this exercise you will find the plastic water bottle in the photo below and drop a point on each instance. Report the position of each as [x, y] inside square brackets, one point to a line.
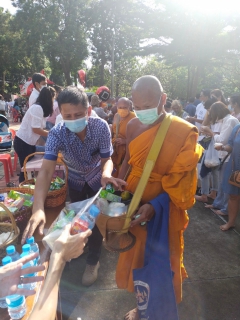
[34, 248]
[15, 303]
[85, 220]
[16, 306]
[11, 252]
[3, 303]
[26, 251]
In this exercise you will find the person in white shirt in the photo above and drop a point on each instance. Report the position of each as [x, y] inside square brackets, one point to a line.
[200, 110]
[2, 105]
[39, 81]
[32, 126]
[222, 124]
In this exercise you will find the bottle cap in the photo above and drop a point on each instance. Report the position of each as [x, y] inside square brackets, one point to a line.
[6, 260]
[10, 249]
[94, 211]
[26, 248]
[30, 240]
[14, 300]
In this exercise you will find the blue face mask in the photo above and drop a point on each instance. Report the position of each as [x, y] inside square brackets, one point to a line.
[77, 125]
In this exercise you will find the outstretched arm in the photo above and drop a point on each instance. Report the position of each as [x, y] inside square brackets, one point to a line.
[66, 247]
[11, 273]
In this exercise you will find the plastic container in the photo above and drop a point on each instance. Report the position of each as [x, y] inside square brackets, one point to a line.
[34, 248]
[26, 251]
[16, 306]
[11, 252]
[85, 221]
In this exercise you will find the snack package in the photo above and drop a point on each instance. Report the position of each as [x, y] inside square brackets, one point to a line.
[18, 203]
[16, 195]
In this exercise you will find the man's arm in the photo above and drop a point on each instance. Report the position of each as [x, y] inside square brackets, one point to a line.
[41, 189]
[66, 247]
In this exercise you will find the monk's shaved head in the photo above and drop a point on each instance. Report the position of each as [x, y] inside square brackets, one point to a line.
[125, 101]
[147, 92]
[148, 84]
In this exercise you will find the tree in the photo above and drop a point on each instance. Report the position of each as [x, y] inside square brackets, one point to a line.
[124, 20]
[55, 28]
[194, 41]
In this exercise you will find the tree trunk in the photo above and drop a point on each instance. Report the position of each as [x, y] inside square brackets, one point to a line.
[194, 81]
[3, 81]
[101, 67]
[66, 71]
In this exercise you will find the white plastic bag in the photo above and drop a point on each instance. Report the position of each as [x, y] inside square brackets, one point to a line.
[211, 157]
[62, 220]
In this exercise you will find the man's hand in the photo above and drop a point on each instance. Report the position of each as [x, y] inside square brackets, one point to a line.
[120, 141]
[38, 219]
[68, 246]
[116, 182]
[146, 213]
[11, 273]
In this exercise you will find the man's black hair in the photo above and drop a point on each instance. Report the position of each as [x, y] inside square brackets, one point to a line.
[38, 77]
[206, 92]
[73, 95]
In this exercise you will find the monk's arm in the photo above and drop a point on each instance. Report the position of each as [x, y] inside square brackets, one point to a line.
[125, 165]
[181, 181]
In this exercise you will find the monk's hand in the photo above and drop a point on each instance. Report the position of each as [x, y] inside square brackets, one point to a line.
[144, 214]
[120, 141]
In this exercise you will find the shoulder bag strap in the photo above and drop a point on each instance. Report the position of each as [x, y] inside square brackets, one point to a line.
[149, 165]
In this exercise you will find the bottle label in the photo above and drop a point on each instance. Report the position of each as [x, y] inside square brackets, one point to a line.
[79, 226]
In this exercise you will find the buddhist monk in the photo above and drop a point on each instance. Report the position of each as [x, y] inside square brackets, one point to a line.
[174, 173]
[120, 121]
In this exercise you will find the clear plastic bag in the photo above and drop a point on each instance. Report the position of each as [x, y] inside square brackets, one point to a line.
[65, 217]
[211, 157]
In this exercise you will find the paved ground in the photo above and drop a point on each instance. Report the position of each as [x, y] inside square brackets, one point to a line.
[212, 291]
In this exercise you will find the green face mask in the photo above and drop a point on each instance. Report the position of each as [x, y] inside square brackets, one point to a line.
[148, 116]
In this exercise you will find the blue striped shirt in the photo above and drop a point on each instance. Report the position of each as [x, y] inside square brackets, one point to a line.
[82, 158]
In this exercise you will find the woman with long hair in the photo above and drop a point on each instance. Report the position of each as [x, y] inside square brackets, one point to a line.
[222, 124]
[32, 126]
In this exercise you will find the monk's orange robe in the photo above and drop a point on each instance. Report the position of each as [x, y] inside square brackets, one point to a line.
[120, 151]
[179, 179]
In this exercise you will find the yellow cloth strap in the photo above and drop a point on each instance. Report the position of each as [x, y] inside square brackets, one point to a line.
[148, 166]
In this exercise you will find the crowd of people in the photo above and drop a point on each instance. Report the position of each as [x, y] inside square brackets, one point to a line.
[217, 120]
[108, 142]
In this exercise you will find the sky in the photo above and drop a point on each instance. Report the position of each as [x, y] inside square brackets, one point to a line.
[6, 4]
[203, 6]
